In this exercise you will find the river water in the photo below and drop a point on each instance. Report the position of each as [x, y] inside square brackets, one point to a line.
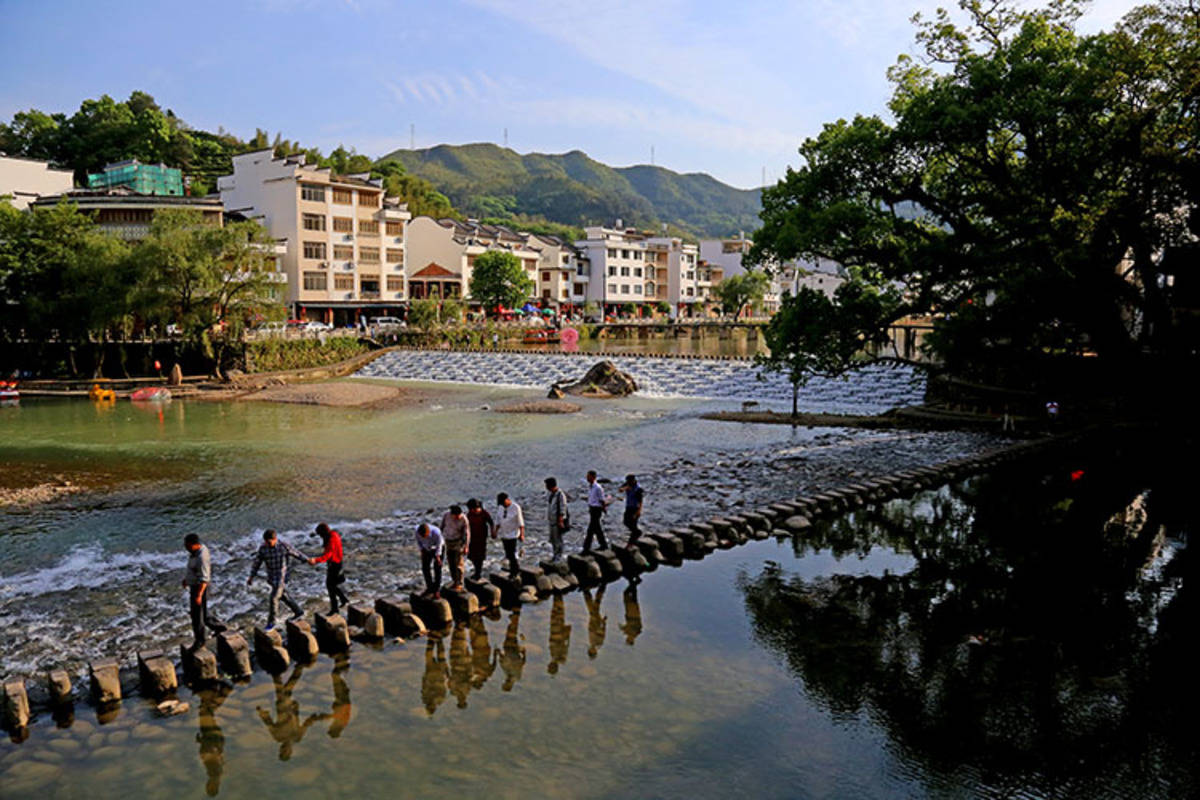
[1023, 634]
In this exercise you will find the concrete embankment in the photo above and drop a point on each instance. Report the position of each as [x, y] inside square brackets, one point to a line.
[153, 675]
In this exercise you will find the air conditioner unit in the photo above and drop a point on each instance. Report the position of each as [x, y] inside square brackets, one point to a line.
[324, 264]
[349, 265]
[349, 237]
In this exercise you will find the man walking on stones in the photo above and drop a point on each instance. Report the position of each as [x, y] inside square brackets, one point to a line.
[597, 505]
[556, 516]
[634, 496]
[510, 527]
[332, 556]
[481, 524]
[196, 578]
[432, 546]
[456, 533]
[275, 554]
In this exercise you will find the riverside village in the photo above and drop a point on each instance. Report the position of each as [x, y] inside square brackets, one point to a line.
[797, 405]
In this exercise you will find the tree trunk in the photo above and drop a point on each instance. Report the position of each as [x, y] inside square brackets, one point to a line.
[795, 400]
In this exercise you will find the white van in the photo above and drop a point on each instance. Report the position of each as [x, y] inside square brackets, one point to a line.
[387, 323]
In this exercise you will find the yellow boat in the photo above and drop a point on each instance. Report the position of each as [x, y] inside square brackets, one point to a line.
[98, 395]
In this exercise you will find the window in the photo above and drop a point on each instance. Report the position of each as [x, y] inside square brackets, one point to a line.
[343, 282]
[343, 224]
[395, 283]
[564, 294]
[624, 272]
[612, 253]
[314, 193]
[637, 255]
[546, 294]
[343, 196]
[368, 226]
[395, 255]
[637, 288]
[545, 277]
[368, 199]
[566, 259]
[637, 272]
[343, 252]
[612, 272]
[314, 222]
[314, 250]
[612, 288]
[395, 228]
[690, 292]
[369, 255]
[315, 281]
[577, 288]
[625, 288]
[624, 254]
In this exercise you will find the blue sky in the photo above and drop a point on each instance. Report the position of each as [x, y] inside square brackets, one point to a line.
[723, 88]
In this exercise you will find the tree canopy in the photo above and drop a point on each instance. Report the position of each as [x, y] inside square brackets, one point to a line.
[1028, 187]
[743, 289]
[499, 279]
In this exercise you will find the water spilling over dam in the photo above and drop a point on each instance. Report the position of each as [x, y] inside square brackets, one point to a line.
[869, 390]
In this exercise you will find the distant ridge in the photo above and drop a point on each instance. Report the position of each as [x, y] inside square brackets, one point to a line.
[485, 180]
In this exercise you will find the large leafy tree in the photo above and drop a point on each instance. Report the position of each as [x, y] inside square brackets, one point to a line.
[1028, 185]
[499, 279]
[744, 289]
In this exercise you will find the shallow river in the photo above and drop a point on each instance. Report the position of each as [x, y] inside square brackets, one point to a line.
[1019, 635]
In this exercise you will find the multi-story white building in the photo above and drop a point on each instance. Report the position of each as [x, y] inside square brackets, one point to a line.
[24, 180]
[630, 267]
[824, 276]
[346, 247]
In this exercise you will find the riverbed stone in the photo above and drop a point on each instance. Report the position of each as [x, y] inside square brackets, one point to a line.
[585, 569]
[530, 574]
[373, 628]
[199, 664]
[462, 603]
[333, 633]
[555, 567]
[357, 613]
[105, 676]
[632, 561]
[16, 705]
[649, 550]
[797, 523]
[610, 567]
[508, 584]
[233, 653]
[435, 612]
[301, 643]
[269, 651]
[694, 543]
[171, 708]
[157, 673]
[58, 681]
[527, 595]
[485, 592]
[559, 584]
[393, 610]
[670, 546]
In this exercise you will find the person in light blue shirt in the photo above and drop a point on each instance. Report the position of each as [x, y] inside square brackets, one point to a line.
[432, 545]
[597, 505]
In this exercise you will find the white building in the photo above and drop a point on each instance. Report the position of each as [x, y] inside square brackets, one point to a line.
[346, 247]
[630, 267]
[824, 276]
[24, 180]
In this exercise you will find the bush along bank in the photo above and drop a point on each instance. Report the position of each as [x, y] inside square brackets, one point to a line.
[273, 355]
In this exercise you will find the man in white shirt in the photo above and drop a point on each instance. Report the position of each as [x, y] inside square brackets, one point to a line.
[597, 505]
[510, 528]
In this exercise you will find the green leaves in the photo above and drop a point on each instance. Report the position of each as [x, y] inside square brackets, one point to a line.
[498, 278]
[741, 290]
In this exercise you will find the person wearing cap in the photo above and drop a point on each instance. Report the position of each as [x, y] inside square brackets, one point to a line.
[456, 532]
[635, 495]
[510, 528]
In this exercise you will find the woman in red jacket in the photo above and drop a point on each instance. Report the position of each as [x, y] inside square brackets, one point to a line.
[334, 577]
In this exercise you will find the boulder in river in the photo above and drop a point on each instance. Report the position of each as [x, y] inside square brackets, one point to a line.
[602, 380]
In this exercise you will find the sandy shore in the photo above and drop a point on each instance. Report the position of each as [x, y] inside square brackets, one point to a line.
[539, 407]
[338, 394]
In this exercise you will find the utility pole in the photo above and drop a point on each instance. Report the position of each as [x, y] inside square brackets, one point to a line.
[652, 155]
[764, 179]
[412, 136]
[506, 137]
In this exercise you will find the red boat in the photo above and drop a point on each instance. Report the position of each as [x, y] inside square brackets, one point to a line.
[9, 391]
[151, 394]
[541, 337]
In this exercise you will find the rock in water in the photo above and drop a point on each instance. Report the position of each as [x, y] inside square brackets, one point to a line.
[602, 380]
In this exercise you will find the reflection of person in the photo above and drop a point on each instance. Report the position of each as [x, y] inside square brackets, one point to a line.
[597, 505]
[483, 660]
[597, 624]
[510, 527]
[334, 576]
[560, 635]
[460, 665]
[633, 614]
[481, 525]
[634, 497]
[431, 545]
[210, 737]
[197, 578]
[512, 654]
[339, 714]
[433, 682]
[275, 554]
[286, 727]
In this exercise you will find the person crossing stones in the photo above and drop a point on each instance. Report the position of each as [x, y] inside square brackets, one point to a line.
[556, 516]
[456, 532]
[332, 557]
[432, 546]
[274, 554]
[635, 496]
[597, 506]
[197, 579]
[510, 528]
[481, 524]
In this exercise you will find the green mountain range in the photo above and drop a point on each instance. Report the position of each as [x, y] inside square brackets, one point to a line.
[487, 181]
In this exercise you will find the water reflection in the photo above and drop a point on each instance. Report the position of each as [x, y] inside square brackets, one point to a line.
[461, 664]
[210, 736]
[632, 627]
[483, 660]
[512, 653]
[560, 635]
[597, 623]
[286, 727]
[340, 710]
[433, 682]
[1024, 640]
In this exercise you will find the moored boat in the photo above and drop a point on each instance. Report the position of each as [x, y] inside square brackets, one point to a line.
[9, 391]
[151, 394]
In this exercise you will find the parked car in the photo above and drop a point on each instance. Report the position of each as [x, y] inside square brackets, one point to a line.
[387, 323]
[271, 328]
[313, 325]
